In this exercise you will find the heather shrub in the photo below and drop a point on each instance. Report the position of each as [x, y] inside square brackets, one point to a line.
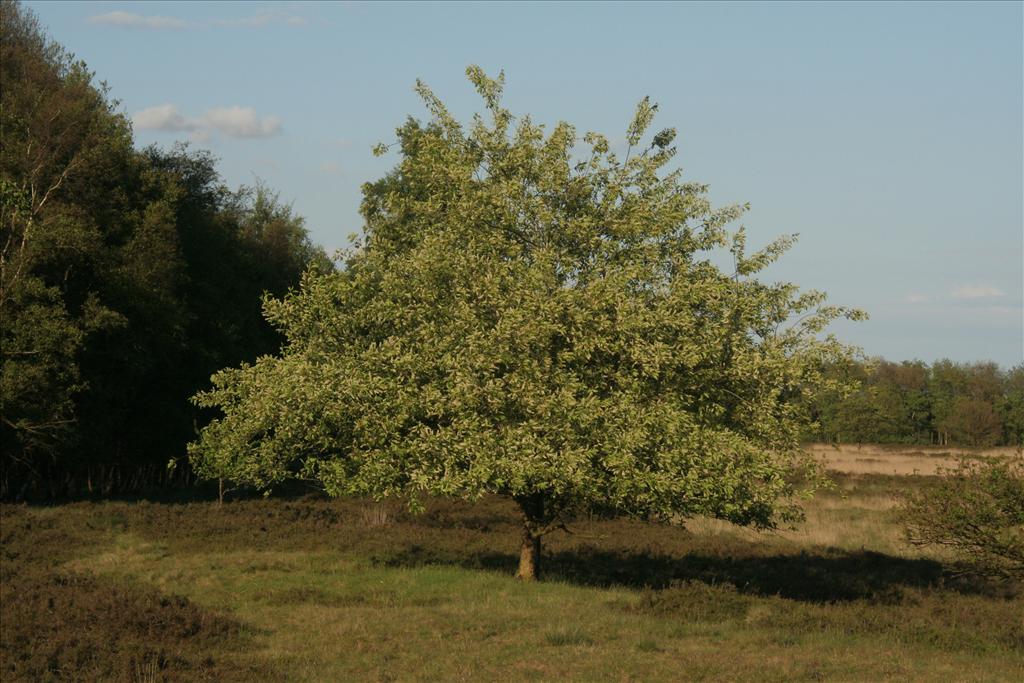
[977, 510]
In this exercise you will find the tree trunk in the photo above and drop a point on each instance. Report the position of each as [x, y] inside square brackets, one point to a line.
[529, 557]
[532, 507]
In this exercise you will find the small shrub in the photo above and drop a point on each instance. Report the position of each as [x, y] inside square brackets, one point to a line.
[976, 509]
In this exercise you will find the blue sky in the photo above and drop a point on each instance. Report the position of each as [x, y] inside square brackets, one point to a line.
[888, 135]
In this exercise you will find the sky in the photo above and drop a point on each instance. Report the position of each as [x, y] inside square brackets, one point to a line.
[888, 135]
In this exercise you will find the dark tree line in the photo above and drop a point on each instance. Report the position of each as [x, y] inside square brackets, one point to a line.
[127, 278]
[946, 403]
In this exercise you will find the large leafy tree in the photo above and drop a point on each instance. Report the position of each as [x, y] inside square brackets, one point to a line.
[535, 317]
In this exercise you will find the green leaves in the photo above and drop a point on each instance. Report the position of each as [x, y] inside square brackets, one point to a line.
[528, 318]
[641, 121]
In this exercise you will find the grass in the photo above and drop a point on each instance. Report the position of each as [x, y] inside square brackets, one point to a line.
[891, 459]
[316, 590]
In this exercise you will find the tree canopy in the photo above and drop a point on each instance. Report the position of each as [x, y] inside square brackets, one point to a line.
[126, 277]
[531, 315]
[946, 403]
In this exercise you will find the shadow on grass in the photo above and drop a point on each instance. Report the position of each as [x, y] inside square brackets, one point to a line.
[818, 578]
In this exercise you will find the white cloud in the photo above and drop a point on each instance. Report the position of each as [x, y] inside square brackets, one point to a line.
[130, 20]
[163, 117]
[981, 291]
[242, 122]
[238, 122]
[916, 298]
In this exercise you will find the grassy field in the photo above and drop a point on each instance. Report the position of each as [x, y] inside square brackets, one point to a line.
[307, 589]
[900, 460]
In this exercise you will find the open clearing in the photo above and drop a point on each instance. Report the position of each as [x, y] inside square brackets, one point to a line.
[308, 589]
[900, 460]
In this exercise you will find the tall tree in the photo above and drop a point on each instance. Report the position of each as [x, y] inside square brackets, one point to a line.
[61, 137]
[539, 321]
[126, 277]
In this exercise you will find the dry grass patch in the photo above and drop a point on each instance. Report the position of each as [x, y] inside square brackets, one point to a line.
[899, 461]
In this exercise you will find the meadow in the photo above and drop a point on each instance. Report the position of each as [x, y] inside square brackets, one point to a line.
[302, 588]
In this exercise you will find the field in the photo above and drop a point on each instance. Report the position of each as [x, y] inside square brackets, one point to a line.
[301, 588]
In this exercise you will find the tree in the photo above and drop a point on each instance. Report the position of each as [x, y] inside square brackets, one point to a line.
[948, 381]
[973, 422]
[531, 321]
[841, 416]
[61, 137]
[904, 404]
[126, 277]
[1011, 407]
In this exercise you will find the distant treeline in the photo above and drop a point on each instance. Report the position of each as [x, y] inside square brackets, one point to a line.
[946, 403]
[126, 278]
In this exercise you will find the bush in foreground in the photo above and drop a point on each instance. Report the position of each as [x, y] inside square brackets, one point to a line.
[977, 509]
